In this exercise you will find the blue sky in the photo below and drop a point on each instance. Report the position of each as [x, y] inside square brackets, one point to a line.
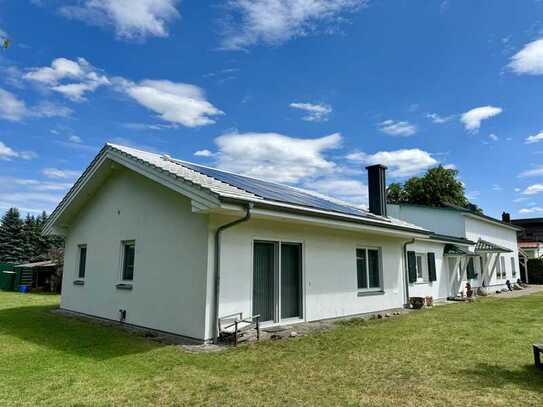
[305, 92]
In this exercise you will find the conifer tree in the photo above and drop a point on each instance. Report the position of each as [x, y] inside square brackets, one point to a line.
[11, 237]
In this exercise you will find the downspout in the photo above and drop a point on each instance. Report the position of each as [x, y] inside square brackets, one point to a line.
[217, 287]
[406, 271]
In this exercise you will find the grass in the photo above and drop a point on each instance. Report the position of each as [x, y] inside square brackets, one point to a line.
[463, 354]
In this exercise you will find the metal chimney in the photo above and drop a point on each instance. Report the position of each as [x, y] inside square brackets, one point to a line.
[377, 189]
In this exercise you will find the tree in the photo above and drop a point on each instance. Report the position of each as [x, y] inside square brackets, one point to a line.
[438, 187]
[396, 193]
[23, 241]
[30, 238]
[11, 237]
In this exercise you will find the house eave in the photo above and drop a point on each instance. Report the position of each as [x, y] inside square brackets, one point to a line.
[495, 222]
[201, 198]
[267, 210]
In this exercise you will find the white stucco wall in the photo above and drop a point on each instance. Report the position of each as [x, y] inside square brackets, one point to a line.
[499, 235]
[170, 263]
[438, 289]
[439, 220]
[329, 268]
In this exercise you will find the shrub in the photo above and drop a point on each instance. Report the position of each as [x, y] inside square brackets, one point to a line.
[535, 271]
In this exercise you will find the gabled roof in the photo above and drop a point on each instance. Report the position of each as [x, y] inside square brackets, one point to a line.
[482, 216]
[484, 246]
[467, 212]
[208, 187]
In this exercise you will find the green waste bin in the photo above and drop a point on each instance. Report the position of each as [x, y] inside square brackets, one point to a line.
[7, 282]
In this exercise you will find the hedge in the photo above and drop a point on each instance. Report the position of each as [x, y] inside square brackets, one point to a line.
[535, 271]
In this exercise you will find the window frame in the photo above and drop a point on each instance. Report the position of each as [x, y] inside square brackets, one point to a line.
[513, 267]
[425, 275]
[124, 245]
[369, 289]
[78, 263]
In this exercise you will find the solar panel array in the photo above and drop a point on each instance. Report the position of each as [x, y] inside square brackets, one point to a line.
[275, 192]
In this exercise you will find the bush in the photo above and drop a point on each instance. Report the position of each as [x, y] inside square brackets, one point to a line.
[535, 271]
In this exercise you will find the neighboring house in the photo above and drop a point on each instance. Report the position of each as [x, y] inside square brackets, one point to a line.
[530, 238]
[172, 246]
[532, 250]
[488, 261]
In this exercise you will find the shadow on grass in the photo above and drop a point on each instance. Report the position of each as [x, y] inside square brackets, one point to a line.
[496, 377]
[37, 324]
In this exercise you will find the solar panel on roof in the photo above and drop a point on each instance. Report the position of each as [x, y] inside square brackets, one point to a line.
[275, 192]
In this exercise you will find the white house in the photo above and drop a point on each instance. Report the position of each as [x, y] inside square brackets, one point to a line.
[486, 258]
[172, 246]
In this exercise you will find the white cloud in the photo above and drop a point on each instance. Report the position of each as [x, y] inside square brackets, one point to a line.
[472, 119]
[496, 187]
[58, 173]
[30, 195]
[75, 139]
[536, 172]
[401, 163]
[348, 190]
[14, 109]
[203, 153]
[438, 119]
[529, 60]
[11, 108]
[61, 68]
[275, 156]
[76, 91]
[132, 19]
[533, 189]
[314, 112]
[82, 76]
[7, 153]
[493, 137]
[28, 155]
[179, 103]
[402, 129]
[527, 211]
[536, 138]
[273, 22]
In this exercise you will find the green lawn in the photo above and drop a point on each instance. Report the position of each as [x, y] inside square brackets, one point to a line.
[463, 354]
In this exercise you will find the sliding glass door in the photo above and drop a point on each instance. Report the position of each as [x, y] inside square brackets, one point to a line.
[277, 280]
[264, 264]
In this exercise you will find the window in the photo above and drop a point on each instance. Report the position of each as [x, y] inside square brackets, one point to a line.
[421, 267]
[498, 268]
[471, 275]
[129, 252]
[368, 267]
[513, 267]
[82, 261]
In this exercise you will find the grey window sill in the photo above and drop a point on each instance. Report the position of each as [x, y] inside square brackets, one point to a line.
[124, 286]
[369, 293]
[79, 282]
